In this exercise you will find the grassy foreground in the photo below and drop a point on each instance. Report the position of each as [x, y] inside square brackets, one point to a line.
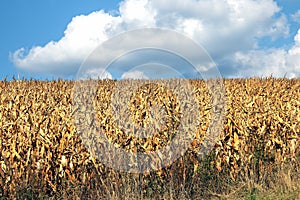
[256, 155]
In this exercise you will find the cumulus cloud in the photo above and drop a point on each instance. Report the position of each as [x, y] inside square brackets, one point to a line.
[96, 73]
[227, 29]
[83, 34]
[137, 14]
[223, 27]
[275, 62]
[134, 75]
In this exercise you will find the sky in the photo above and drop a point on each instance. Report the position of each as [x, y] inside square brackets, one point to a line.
[52, 38]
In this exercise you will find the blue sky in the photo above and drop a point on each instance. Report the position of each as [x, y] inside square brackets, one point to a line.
[256, 38]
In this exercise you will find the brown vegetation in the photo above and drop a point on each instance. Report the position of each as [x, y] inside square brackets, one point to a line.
[43, 156]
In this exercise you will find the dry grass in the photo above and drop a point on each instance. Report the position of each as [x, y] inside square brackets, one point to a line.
[257, 155]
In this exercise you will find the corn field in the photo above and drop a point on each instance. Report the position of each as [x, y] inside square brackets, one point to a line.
[45, 151]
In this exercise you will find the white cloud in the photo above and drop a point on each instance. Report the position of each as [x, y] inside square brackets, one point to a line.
[296, 17]
[223, 27]
[276, 62]
[261, 63]
[96, 73]
[137, 14]
[227, 28]
[134, 75]
[83, 34]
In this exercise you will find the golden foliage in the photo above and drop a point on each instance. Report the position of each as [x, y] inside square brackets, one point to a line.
[40, 141]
